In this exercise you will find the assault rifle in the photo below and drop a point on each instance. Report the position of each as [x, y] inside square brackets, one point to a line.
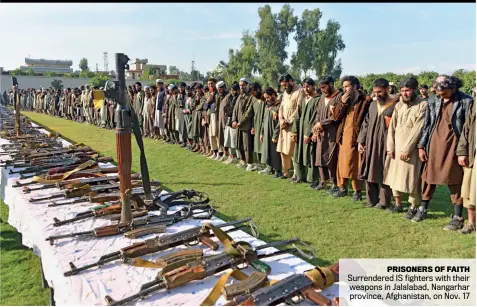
[189, 237]
[69, 184]
[45, 153]
[100, 198]
[87, 173]
[297, 285]
[161, 203]
[136, 228]
[60, 167]
[54, 159]
[238, 255]
[87, 190]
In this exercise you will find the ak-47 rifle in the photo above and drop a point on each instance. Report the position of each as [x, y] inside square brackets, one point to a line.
[125, 120]
[161, 203]
[237, 255]
[297, 285]
[189, 237]
[139, 227]
[69, 184]
[60, 167]
[48, 160]
[101, 198]
[47, 153]
[86, 173]
[88, 190]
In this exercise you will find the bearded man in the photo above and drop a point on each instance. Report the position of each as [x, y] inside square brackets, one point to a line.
[423, 91]
[230, 133]
[269, 134]
[445, 117]
[403, 167]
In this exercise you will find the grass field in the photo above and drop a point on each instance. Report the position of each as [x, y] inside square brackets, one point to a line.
[336, 228]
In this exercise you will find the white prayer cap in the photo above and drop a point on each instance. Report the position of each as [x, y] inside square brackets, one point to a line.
[220, 84]
[391, 83]
[244, 80]
[146, 87]
[159, 81]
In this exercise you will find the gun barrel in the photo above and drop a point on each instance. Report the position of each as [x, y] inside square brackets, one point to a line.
[52, 239]
[74, 219]
[155, 286]
[103, 260]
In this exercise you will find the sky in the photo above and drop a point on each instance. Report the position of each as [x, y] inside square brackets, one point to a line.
[379, 37]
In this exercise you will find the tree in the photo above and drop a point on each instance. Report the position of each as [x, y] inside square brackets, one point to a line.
[51, 74]
[57, 84]
[173, 70]
[272, 40]
[99, 80]
[17, 72]
[148, 73]
[185, 76]
[195, 75]
[29, 71]
[87, 74]
[83, 64]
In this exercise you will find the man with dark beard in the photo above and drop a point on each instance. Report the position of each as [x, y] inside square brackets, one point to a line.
[181, 102]
[212, 119]
[139, 103]
[269, 134]
[159, 131]
[324, 134]
[188, 115]
[402, 171]
[258, 106]
[221, 102]
[172, 118]
[305, 149]
[423, 90]
[197, 127]
[349, 113]
[230, 134]
[445, 117]
[242, 119]
[372, 144]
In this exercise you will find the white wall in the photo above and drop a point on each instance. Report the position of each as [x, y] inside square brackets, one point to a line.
[36, 82]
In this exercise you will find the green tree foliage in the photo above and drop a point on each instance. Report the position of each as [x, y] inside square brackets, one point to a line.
[83, 64]
[148, 74]
[272, 40]
[29, 72]
[99, 80]
[87, 74]
[17, 72]
[57, 84]
[173, 70]
[51, 74]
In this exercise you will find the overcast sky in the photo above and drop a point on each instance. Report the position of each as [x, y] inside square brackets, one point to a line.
[379, 37]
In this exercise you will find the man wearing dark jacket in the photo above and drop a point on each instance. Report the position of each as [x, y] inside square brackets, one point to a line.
[445, 117]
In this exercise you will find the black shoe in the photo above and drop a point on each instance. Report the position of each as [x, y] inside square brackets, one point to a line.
[333, 189]
[357, 196]
[456, 223]
[341, 193]
[278, 174]
[319, 186]
[420, 215]
[313, 185]
[380, 206]
[396, 209]
[370, 206]
[410, 213]
[299, 181]
[292, 180]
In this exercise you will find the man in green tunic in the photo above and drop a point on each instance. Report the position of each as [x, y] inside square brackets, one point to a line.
[139, 103]
[258, 106]
[305, 149]
[269, 134]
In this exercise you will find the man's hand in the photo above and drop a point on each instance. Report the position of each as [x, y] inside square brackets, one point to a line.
[463, 160]
[345, 97]
[293, 137]
[307, 140]
[360, 147]
[391, 154]
[317, 128]
[422, 155]
[332, 109]
[234, 125]
[238, 125]
[252, 131]
[274, 141]
[314, 138]
[261, 139]
[405, 156]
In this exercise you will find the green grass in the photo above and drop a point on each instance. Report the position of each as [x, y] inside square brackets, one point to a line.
[20, 275]
[335, 228]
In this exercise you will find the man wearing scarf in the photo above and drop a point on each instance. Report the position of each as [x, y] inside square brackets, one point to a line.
[269, 134]
[159, 104]
[221, 102]
[188, 115]
[402, 171]
[230, 134]
[305, 149]
[181, 104]
[445, 117]
[324, 134]
[466, 157]
[211, 118]
[242, 120]
[372, 144]
[286, 144]
[258, 106]
[139, 103]
[197, 127]
[172, 118]
[349, 114]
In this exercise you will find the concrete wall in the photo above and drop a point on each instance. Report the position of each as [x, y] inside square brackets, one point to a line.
[40, 81]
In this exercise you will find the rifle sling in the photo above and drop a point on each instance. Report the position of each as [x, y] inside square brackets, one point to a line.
[322, 277]
[83, 166]
[219, 287]
[223, 237]
[181, 257]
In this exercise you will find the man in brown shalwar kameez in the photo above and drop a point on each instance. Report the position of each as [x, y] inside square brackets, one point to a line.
[445, 116]
[402, 171]
[423, 91]
[324, 134]
[372, 144]
[466, 153]
[349, 113]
